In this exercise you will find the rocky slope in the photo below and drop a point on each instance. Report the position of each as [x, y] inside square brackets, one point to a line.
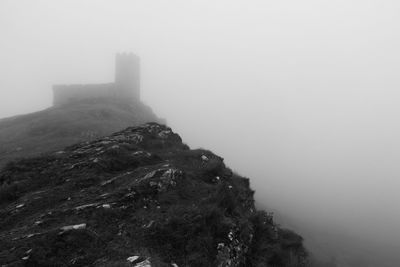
[139, 197]
[57, 127]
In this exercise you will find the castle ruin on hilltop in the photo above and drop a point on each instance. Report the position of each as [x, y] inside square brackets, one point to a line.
[126, 86]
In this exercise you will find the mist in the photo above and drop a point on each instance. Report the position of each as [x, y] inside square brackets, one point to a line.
[300, 96]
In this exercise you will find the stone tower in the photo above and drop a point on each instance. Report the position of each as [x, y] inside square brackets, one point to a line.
[127, 77]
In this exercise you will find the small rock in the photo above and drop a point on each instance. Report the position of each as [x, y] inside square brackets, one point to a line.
[204, 158]
[230, 235]
[139, 261]
[150, 175]
[20, 206]
[149, 224]
[132, 258]
[31, 235]
[86, 206]
[26, 258]
[164, 134]
[145, 263]
[73, 227]
[104, 195]
[138, 153]
[106, 206]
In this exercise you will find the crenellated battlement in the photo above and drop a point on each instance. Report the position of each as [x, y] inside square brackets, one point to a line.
[126, 86]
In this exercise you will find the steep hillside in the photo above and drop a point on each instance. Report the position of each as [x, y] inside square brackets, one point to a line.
[57, 127]
[139, 197]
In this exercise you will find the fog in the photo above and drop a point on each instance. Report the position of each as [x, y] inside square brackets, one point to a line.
[302, 97]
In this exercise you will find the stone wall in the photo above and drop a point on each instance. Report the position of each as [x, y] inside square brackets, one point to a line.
[125, 88]
[64, 94]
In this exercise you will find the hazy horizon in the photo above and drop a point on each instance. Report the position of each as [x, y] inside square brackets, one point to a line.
[301, 97]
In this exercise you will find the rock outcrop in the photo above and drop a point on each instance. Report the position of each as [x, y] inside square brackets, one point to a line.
[139, 197]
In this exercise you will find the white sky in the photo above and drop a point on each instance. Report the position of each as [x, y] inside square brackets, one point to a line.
[300, 96]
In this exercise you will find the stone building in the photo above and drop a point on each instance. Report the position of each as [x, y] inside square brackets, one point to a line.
[126, 86]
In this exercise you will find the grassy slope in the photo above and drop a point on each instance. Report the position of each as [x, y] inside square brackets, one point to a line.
[56, 127]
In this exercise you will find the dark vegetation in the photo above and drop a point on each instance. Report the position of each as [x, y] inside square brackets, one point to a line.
[137, 192]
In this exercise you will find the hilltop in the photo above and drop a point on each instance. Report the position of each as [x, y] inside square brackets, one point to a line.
[139, 197]
[60, 126]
